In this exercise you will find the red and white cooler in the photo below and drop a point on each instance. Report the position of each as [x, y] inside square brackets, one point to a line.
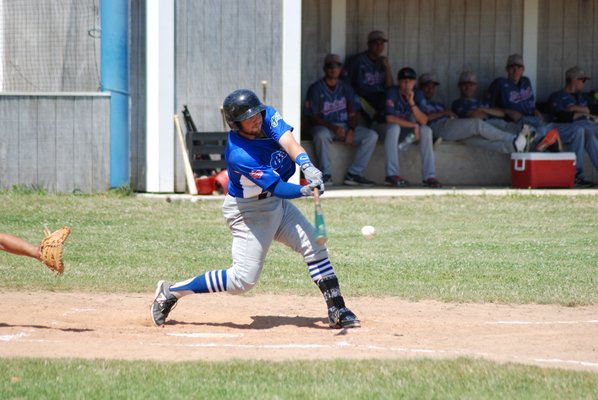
[542, 170]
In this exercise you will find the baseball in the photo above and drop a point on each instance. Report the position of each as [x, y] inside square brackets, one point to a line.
[368, 232]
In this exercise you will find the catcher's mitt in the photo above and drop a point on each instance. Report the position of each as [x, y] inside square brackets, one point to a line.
[51, 248]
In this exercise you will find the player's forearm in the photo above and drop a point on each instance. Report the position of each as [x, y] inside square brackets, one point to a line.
[420, 116]
[290, 145]
[320, 121]
[403, 123]
[578, 109]
[352, 122]
[435, 115]
[493, 112]
[286, 190]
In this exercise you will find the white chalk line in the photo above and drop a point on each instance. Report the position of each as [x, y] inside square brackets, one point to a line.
[78, 311]
[589, 364]
[205, 335]
[9, 338]
[591, 321]
[249, 346]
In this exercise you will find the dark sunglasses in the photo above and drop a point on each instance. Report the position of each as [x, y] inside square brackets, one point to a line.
[332, 65]
[582, 79]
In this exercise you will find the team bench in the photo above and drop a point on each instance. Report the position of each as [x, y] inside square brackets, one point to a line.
[456, 165]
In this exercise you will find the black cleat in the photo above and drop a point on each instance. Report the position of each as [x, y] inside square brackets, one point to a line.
[342, 319]
[163, 303]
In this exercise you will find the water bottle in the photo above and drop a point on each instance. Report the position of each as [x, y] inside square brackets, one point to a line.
[404, 145]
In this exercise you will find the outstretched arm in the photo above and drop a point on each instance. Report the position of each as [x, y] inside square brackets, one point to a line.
[18, 246]
[299, 155]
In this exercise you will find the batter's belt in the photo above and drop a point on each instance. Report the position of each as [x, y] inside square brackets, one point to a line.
[264, 195]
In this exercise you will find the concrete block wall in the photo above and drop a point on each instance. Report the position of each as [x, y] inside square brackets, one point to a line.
[456, 165]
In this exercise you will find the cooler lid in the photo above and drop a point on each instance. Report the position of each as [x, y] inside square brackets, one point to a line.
[543, 156]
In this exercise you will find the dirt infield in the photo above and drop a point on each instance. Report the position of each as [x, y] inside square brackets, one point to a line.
[273, 327]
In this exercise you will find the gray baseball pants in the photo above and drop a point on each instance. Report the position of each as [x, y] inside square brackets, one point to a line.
[390, 133]
[475, 132]
[254, 223]
[363, 138]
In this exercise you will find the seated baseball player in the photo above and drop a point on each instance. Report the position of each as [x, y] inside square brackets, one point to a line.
[470, 131]
[571, 105]
[469, 106]
[405, 115]
[515, 96]
[330, 110]
[261, 156]
[369, 74]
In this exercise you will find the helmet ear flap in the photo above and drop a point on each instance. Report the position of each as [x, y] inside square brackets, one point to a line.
[235, 126]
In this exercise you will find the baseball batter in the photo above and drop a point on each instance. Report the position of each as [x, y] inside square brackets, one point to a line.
[261, 156]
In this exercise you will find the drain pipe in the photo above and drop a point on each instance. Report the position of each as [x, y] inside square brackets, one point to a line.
[114, 78]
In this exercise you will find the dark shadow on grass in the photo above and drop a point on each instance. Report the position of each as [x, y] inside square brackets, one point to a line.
[263, 322]
[76, 330]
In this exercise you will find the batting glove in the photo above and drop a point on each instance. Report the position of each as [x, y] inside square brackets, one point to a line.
[308, 190]
[312, 174]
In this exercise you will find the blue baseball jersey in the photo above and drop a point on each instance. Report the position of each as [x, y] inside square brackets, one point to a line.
[430, 106]
[463, 105]
[398, 106]
[520, 97]
[333, 105]
[254, 165]
[368, 79]
[561, 100]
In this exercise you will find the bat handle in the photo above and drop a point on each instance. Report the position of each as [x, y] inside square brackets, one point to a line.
[317, 195]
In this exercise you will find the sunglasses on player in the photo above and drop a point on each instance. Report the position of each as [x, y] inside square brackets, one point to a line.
[332, 65]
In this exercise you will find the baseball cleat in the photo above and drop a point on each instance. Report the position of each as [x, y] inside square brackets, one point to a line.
[357, 180]
[521, 142]
[348, 319]
[551, 139]
[343, 318]
[395, 181]
[163, 304]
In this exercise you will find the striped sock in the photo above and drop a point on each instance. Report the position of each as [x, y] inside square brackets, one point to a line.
[320, 269]
[210, 282]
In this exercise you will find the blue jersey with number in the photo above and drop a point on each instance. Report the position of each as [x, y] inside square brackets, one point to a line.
[333, 105]
[398, 106]
[254, 165]
[513, 96]
[462, 106]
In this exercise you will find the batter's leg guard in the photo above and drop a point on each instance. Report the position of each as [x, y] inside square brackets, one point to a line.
[339, 316]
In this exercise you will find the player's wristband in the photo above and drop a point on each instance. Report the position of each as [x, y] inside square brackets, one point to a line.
[302, 159]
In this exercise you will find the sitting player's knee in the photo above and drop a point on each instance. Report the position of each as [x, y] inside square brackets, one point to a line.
[425, 130]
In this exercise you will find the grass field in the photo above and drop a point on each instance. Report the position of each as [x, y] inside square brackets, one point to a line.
[509, 249]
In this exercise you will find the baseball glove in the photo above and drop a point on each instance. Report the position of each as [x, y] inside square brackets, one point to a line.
[51, 248]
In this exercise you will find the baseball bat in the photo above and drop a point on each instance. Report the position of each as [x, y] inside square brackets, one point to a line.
[321, 233]
[188, 171]
[264, 87]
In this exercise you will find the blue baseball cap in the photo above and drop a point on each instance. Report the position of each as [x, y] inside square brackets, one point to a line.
[407, 73]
